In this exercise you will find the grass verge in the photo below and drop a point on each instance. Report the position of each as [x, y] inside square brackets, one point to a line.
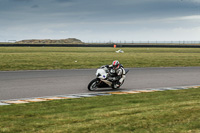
[42, 58]
[168, 111]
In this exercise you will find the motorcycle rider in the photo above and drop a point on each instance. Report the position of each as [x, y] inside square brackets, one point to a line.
[117, 71]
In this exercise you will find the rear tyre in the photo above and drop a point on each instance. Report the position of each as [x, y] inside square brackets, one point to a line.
[93, 85]
[116, 86]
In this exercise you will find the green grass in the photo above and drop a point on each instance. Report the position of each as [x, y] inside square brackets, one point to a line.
[41, 58]
[155, 112]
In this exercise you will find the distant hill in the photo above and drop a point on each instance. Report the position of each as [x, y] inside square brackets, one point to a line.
[49, 41]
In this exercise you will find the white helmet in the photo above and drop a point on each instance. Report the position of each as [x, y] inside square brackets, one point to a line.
[115, 64]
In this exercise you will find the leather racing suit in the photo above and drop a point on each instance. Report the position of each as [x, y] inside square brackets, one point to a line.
[118, 74]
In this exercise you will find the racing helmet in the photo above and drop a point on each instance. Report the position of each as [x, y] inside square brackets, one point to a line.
[115, 64]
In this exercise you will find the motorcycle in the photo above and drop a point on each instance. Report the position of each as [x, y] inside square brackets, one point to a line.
[105, 78]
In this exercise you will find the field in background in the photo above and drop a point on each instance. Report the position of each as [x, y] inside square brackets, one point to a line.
[163, 112]
[42, 58]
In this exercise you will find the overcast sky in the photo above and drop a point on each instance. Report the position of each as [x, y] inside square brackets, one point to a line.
[100, 20]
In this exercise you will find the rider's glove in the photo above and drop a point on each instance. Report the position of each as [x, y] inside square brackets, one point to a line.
[112, 71]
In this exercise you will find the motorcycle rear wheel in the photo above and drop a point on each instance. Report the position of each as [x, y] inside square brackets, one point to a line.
[93, 85]
[114, 85]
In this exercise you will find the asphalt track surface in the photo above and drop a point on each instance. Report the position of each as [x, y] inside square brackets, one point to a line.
[26, 84]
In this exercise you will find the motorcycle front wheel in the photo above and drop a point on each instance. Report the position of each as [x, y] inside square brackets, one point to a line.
[93, 85]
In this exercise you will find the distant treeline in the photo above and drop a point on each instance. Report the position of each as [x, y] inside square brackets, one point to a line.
[101, 45]
[49, 41]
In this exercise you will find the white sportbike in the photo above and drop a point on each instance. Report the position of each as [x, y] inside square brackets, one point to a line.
[104, 78]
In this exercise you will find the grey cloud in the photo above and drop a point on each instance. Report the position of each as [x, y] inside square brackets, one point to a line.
[35, 6]
[63, 1]
[96, 16]
[21, 0]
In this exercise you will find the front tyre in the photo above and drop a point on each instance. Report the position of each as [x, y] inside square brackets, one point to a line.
[93, 85]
